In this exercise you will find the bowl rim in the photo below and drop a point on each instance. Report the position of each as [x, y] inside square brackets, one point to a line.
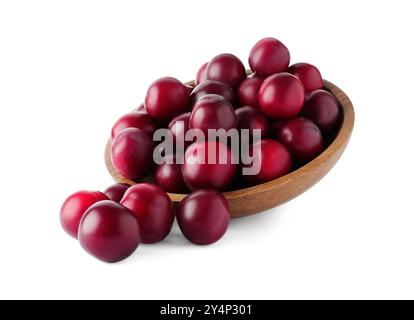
[342, 137]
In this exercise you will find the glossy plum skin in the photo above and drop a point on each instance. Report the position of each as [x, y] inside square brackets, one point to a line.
[116, 191]
[179, 127]
[131, 153]
[75, 207]
[109, 231]
[302, 138]
[203, 216]
[135, 119]
[269, 56]
[153, 209]
[247, 94]
[252, 118]
[201, 74]
[212, 87]
[141, 108]
[169, 177]
[213, 112]
[226, 68]
[323, 109]
[200, 173]
[281, 96]
[166, 98]
[274, 160]
[308, 74]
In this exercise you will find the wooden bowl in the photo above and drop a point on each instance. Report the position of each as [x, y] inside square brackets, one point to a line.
[271, 194]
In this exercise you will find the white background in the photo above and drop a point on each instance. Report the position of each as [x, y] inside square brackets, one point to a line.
[69, 69]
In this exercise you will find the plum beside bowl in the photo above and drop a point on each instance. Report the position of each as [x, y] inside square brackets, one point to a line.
[271, 194]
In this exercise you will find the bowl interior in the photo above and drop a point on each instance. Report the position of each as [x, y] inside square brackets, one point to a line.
[308, 174]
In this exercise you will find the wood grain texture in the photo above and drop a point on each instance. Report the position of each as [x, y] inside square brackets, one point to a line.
[255, 199]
